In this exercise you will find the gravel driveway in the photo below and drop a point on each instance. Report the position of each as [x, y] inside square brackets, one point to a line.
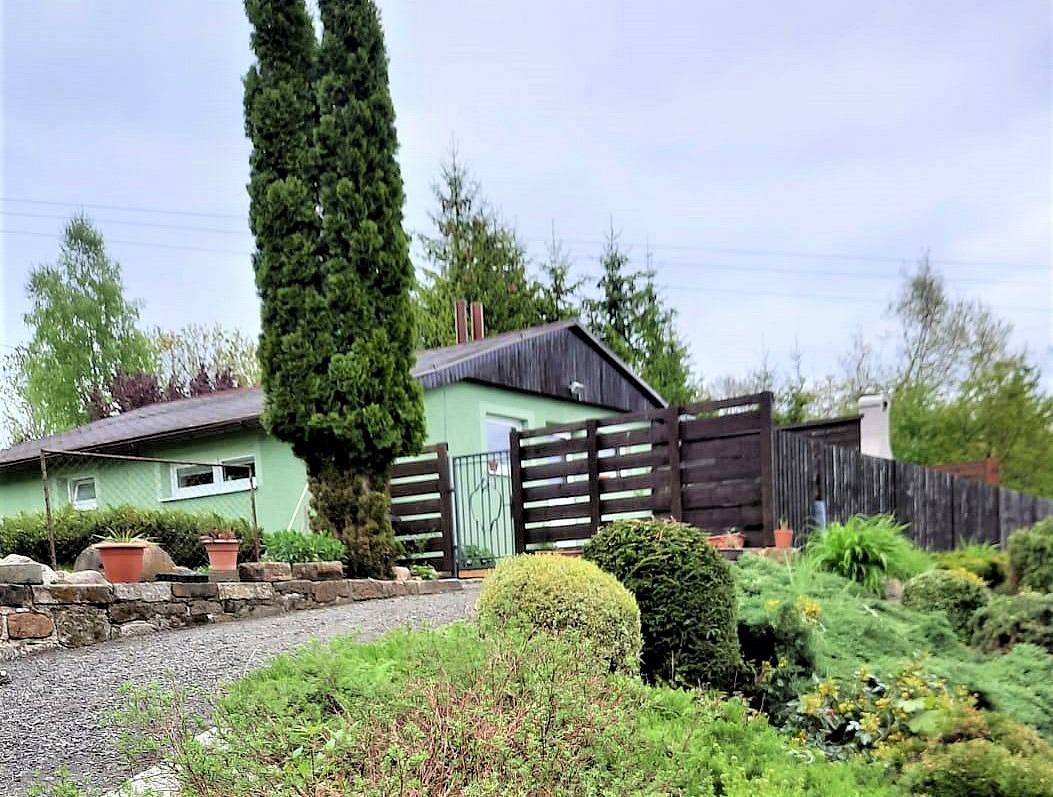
[53, 712]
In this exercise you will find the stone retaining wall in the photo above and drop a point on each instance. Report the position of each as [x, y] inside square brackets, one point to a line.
[37, 617]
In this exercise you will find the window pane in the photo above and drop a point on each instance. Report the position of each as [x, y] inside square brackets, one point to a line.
[497, 428]
[194, 476]
[234, 470]
[84, 490]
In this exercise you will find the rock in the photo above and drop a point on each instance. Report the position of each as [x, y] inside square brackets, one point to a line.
[155, 561]
[29, 625]
[198, 608]
[205, 590]
[72, 593]
[15, 594]
[82, 577]
[16, 559]
[242, 591]
[437, 586]
[318, 571]
[364, 589]
[299, 585]
[140, 610]
[77, 626]
[149, 592]
[265, 571]
[137, 628]
[22, 573]
[401, 573]
[327, 591]
[893, 589]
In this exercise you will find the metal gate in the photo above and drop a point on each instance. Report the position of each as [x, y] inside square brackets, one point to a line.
[483, 495]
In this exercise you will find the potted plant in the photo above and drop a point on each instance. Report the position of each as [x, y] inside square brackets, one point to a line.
[475, 557]
[122, 554]
[731, 539]
[783, 535]
[222, 547]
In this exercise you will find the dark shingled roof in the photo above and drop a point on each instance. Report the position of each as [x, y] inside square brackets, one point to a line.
[241, 408]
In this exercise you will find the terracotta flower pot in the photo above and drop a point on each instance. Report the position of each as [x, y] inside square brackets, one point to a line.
[729, 540]
[122, 562]
[783, 538]
[222, 554]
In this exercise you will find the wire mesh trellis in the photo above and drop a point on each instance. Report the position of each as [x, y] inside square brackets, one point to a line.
[74, 481]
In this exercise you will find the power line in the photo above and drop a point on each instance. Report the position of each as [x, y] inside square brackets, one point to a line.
[125, 208]
[190, 228]
[148, 244]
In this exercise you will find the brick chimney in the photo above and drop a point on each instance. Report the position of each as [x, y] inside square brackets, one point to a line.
[478, 327]
[460, 320]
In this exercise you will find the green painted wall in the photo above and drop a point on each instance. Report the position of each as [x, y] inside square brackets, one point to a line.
[455, 414]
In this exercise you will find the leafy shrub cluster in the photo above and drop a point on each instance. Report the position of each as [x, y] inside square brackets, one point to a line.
[1031, 557]
[177, 532]
[956, 593]
[1012, 619]
[867, 550]
[777, 641]
[686, 595]
[981, 559]
[295, 546]
[565, 595]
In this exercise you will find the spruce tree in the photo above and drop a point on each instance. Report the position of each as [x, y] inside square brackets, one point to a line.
[332, 263]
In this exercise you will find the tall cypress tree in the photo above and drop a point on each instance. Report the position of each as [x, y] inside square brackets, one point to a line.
[332, 263]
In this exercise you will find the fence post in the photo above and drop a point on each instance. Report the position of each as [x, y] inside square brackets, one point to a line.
[767, 468]
[252, 506]
[516, 468]
[449, 557]
[47, 508]
[592, 447]
[672, 431]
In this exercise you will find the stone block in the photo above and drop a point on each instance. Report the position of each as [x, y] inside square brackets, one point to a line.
[148, 592]
[28, 573]
[293, 601]
[72, 593]
[318, 571]
[200, 607]
[29, 625]
[364, 589]
[221, 576]
[16, 595]
[244, 591]
[198, 590]
[141, 610]
[328, 591]
[82, 577]
[397, 588]
[77, 626]
[136, 628]
[265, 571]
[401, 573]
[438, 586]
[297, 585]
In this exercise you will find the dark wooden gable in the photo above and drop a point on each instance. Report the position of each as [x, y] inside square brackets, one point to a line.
[548, 363]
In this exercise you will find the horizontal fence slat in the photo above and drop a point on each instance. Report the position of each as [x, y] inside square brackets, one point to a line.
[417, 526]
[551, 448]
[548, 492]
[423, 506]
[722, 426]
[402, 470]
[555, 470]
[422, 487]
[632, 503]
[578, 531]
[722, 494]
[537, 514]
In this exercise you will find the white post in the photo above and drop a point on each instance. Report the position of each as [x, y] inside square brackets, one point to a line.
[874, 437]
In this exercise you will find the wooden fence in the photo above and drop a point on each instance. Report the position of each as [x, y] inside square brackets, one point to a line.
[943, 511]
[422, 507]
[707, 464]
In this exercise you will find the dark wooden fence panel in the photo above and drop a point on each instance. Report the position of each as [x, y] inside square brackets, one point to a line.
[422, 507]
[708, 464]
[942, 511]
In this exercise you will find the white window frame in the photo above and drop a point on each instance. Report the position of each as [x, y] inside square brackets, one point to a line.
[71, 486]
[218, 486]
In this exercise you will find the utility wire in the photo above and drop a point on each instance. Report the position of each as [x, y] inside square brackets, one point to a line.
[125, 208]
[150, 224]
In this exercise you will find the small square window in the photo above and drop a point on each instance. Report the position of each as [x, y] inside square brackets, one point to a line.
[82, 493]
[194, 476]
[235, 469]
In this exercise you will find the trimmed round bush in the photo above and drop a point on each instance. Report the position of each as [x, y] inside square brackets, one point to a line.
[565, 595]
[986, 561]
[978, 767]
[686, 595]
[1031, 557]
[956, 593]
[1011, 619]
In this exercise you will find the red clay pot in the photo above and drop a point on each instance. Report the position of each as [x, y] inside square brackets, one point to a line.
[729, 540]
[223, 554]
[122, 562]
[783, 538]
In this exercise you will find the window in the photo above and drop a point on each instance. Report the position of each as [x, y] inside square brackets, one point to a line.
[229, 476]
[82, 493]
[497, 429]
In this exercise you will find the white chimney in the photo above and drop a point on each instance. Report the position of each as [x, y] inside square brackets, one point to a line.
[874, 439]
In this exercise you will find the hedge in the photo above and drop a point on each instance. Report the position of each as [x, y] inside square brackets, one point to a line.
[177, 532]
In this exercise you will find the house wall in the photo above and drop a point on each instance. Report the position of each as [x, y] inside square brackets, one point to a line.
[455, 414]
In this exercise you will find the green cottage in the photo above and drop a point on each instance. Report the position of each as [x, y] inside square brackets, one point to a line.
[474, 393]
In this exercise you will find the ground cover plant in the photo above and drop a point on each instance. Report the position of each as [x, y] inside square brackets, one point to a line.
[1031, 557]
[956, 593]
[296, 546]
[686, 596]
[986, 561]
[1009, 620]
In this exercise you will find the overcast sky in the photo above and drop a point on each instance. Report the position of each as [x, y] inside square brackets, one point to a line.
[784, 161]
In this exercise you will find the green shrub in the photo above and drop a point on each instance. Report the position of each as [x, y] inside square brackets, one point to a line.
[1031, 557]
[986, 561]
[1011, 619]
[978, 768]
[177, 532]
[565, 595]
[867, 550]
[778, 649]
[956, 593]
[296, 546]
[686, 596]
